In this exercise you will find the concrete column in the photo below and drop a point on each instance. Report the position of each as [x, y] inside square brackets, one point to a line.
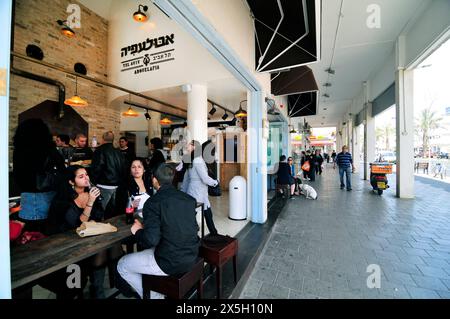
[257, 158]
[369, 140]
[355, 148]
[5, 39]
[197, 111]
[404, 101]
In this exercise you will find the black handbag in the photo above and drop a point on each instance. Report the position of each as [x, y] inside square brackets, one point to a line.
[214, 191]
[49, 179]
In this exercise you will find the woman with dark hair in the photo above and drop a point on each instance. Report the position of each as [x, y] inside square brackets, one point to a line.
[140, 187]
[36, 166]
[75, 203]
[196, 181]
[156, 146]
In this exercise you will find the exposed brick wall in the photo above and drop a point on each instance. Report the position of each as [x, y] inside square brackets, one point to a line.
[35, 23]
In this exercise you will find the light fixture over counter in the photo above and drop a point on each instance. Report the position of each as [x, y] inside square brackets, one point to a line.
[165, 121]
[241, 112]
[76, 100]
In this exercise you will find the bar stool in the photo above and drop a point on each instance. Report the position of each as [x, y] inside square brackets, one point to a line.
[175, 287]
[217, 250]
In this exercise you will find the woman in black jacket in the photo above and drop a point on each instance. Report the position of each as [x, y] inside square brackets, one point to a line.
[140, 186]
[75, 203]
[36, 167]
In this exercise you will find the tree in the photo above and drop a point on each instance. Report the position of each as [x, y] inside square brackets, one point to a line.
[426, 123]
[385, 133]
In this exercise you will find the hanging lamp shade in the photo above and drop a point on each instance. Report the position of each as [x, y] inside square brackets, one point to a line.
[240, 113]
[130, 113]
[165, 121]
[76, 100]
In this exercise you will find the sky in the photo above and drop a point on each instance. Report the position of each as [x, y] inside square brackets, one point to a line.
[432, 81]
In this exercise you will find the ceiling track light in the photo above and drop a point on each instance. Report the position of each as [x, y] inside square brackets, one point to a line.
[330, 71]
[147, 116]
[139, 15]
[213, 110]
[225, 116]
[326, 95]
[65, 29]
[328, 84]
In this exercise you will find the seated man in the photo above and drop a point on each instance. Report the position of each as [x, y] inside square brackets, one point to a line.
[169, 234]
[284, 176]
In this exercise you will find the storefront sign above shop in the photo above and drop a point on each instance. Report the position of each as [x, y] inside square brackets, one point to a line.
[148, 62]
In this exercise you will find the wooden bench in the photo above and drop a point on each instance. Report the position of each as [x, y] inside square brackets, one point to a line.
[421, 165]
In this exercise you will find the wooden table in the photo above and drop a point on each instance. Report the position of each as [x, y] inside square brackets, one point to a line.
[42, 257]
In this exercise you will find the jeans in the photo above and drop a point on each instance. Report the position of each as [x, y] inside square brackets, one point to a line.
[348, 172]
[35, 206]
[132, 266]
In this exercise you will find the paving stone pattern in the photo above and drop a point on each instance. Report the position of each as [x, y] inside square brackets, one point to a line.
[322, 248]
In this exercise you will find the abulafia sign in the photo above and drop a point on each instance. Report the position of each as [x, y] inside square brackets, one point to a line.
[148, 55]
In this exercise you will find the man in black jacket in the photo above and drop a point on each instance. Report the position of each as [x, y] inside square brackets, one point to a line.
[169, 234]
[108, 170]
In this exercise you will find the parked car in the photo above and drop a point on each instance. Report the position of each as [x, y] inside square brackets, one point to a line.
[386, 156]
[442, 155]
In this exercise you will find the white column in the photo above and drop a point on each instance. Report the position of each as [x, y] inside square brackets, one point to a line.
[404, 99]
[355, 148]
[257, 158]
[5, 39]
[369, 140]
[197, 111]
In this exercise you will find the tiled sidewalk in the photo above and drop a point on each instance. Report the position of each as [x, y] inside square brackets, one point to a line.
[322, 248]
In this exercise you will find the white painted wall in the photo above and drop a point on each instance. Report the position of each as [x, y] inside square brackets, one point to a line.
[192, 62]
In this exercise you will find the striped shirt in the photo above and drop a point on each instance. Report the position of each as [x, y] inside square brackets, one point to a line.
[344, 159]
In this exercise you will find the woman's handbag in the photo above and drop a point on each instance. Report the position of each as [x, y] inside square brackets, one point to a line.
[306, 167]
[215, 190]
[49, 179]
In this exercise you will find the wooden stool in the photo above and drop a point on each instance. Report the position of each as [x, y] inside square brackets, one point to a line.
[217, 250]
[175, 287]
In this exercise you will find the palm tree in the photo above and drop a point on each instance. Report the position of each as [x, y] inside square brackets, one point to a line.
[384, 133]
[426, 123]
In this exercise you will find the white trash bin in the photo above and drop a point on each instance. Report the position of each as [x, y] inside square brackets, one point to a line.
[238, 198]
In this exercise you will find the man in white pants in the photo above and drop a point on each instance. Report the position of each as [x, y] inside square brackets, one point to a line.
[168, 235]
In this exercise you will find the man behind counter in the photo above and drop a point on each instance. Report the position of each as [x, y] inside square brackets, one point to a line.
[81, 151]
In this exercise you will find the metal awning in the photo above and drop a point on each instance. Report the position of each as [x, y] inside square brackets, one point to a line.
[303, 104]
[294, 81]
[287, 33]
